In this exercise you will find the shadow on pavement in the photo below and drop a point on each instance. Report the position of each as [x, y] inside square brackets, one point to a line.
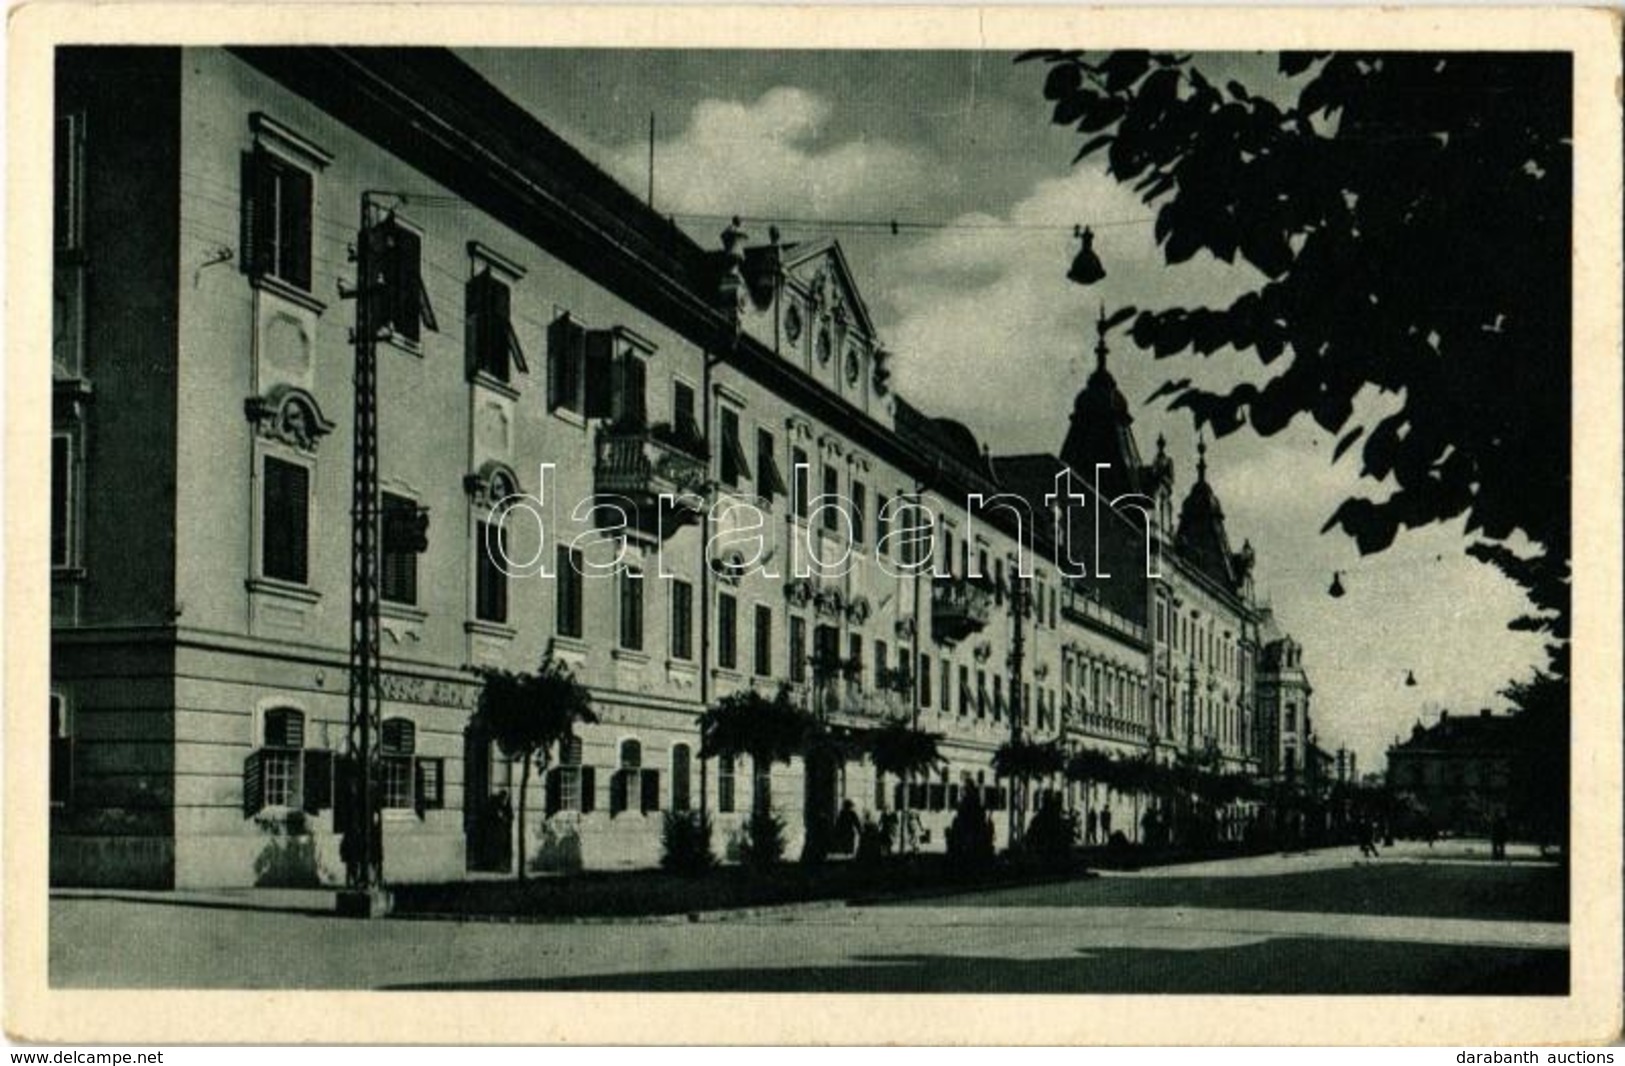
[1506, 893]
[1278, 966]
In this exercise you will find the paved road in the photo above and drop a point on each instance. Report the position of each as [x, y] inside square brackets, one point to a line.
[1312, 924]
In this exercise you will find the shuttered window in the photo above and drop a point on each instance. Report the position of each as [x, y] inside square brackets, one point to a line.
[734, 465]
[860, 516]
[403, 305]
[566, 363]
[764, 640]
[769, 481]
[801, 478]
[631, 785]
[568, 592]
[495, 347]
[276, 218]
[490, 573]
[727, 631]
[631, 583]
[285, 521]
[399, 572]
[682, 620]
[798, 650]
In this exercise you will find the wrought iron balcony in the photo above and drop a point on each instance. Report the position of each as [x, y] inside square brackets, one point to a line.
[959, 607]
[662, 473]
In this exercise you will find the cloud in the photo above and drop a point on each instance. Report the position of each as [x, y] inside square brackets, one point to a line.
[771, 155]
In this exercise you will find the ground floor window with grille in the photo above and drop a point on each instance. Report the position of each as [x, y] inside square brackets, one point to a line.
[408, 780]
[570, 785]
[282, 774]
[635, 787]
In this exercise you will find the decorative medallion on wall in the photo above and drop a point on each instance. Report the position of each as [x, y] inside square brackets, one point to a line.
[799, 592]
[792, 324]
[905, 629]
[823, 346]
[854, 366]
[857, 612]
[290, 415]
[493, 483]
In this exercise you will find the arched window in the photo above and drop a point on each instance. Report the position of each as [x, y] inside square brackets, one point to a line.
[284, 738]
[634, 786]
[282, 773]
[571, 786]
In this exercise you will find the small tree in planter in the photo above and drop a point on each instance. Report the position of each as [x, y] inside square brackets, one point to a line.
[768, 731]
[902, 750]
[685, 843]
[1025, 761]
[527, 715]
[1089, 767]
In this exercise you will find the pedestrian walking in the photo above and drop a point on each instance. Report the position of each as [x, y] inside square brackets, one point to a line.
[1091, 826]
[1106, 821]
[846, 829]
[1368, 841]
[1498, 837]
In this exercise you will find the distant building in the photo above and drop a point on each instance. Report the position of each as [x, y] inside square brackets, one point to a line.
[1458, 770]
[1283, 706]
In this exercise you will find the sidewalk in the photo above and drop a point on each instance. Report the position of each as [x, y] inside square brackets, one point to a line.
[315, 901]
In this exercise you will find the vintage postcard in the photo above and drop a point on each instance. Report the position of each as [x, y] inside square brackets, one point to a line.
[1065, 514]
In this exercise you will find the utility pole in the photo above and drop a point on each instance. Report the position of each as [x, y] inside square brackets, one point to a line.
[1018, 611]
[360, 820]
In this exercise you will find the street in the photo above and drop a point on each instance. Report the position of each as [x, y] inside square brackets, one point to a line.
[1443, 922]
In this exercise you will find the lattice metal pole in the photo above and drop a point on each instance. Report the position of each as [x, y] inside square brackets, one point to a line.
[364, 856]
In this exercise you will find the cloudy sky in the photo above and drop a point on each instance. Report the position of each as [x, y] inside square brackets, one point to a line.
[986, 328]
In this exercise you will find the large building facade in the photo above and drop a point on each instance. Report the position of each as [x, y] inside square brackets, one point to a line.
[718, 490]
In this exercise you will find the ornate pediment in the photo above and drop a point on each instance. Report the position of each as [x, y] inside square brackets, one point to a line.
[819, 271]
[492, 483]
[289, 415]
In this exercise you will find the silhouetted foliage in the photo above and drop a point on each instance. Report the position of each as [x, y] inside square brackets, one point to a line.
[901, 750]
[685, 842]
[763, 844]
[748, 723]
[527, 714]
[1409, 217]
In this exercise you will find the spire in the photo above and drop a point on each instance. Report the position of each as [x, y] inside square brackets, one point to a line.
[1100, 339]
[1201, 457]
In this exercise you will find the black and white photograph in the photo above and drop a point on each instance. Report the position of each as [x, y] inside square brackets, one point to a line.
[1078, 518]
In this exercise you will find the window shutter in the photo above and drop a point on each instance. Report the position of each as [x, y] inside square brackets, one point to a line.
[632, 391]
[651, 791]
[589, 790]
[253, 784]
[318, 789]
[420, 792]
[259, 192]
[408, 302]
[599, 374]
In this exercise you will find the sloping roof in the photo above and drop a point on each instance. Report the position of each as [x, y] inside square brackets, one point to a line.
[1465, 733]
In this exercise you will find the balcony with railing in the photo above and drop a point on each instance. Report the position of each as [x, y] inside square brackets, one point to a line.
[661, 472]
[959, 607]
